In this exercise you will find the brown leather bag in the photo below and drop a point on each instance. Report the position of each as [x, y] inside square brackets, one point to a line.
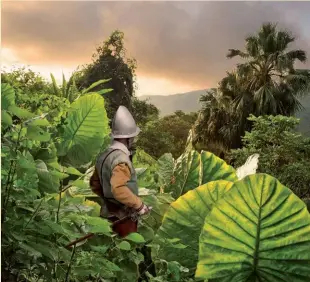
[95, 185]
[94, 181]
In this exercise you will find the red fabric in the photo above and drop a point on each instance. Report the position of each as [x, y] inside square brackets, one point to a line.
[125, 227]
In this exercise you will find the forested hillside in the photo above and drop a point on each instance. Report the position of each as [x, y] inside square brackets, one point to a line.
[189, 102]
[228, 183]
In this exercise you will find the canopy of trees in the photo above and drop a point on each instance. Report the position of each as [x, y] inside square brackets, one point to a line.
[266, 83]
[25, 80]
[51, 135]
[110, 62]
[167, 134]
[283, 152]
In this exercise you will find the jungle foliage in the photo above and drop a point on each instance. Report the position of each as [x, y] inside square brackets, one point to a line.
[206, 223]
[265, 83]
[283, 152]
[47, 203]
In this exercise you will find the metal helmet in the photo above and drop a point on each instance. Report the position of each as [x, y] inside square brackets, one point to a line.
[124, 125]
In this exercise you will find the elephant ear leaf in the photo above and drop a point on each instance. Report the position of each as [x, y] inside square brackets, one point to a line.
[165, 169]
[213, 168]
[85, 129]
[193, 169]
[184, 220]
[7, 96]
[186, 174]
[7, 100]
[259, 231]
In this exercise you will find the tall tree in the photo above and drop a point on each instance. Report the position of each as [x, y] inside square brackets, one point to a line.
[270, 76]
[143, 111]
[110, 62]
[216, 127]
[266, 83]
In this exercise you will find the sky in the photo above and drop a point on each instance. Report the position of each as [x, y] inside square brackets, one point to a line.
[179, 46]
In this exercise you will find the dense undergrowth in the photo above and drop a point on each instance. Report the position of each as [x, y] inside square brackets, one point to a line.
[205, 223]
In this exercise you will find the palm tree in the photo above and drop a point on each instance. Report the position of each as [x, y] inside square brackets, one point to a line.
[265, 84]
[216, 128]
[271, 79]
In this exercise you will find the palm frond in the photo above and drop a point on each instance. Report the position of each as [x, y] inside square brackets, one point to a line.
[299, 55]
[64, 85]
[265, 100]
[55, 86]
[252, 46]
[284, 38]
[234, 52]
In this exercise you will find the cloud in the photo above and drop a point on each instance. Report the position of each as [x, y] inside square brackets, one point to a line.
[179, 41]
[51, 31]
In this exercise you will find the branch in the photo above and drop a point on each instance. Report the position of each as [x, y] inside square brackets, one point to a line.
[70, 263]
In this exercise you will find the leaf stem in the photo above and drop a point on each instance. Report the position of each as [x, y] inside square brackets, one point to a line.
[70, 263]
[55, 271]
[10, 178]
[34, 214]
[70, 185]
[59, 202]
[58, 208]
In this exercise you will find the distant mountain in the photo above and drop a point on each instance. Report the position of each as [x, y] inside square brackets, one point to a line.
[186, 102]
[189, 102]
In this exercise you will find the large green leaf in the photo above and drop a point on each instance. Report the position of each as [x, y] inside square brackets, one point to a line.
[20, 113]
[184, 220]
[165, 169]
[193, 169]
[145, 179]
[186, 174]
[85, 129]
[49, 156]
[95, 84]
[7, 96]
[189, 142]
[143, 159]
[160, 204]
[40, 122]
[259, 231]
[37, 133]
[48, 182]
[213, 168]
[146, 168]
[6, 119]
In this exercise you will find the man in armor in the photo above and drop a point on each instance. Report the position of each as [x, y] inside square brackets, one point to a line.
[114, 178]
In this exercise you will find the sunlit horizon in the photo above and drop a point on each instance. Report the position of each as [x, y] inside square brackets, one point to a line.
[183, 51]
[146, 85]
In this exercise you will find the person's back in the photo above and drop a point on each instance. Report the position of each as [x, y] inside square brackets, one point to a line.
[114, 178]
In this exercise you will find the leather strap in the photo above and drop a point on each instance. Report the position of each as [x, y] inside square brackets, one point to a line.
[104, 161]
